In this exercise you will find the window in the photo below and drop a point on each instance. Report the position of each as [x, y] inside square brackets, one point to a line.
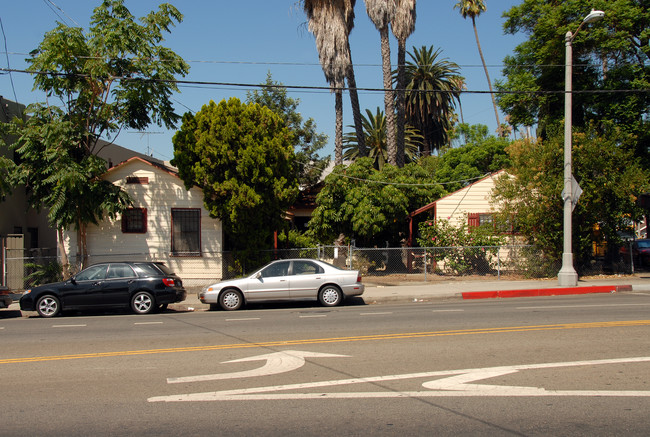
[186, 232]
[276, 269]
[94, 273]
[137, 180]
[306, 268]
[134, 221]
[116, 271]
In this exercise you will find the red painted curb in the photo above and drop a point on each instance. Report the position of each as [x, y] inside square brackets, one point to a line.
[532, 292]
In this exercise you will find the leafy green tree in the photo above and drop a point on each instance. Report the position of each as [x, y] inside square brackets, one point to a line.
[429, 111]
[611, 73]
[241, 156]
[115, 76]
[307, 141]
[482, 154]
[371, 206]
[609, 175]
[374, 129]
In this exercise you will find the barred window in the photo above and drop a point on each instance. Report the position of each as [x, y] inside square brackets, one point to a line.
[186, 232]
[134, 221]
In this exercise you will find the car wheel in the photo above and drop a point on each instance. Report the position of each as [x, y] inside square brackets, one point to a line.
[231, 300]
[330, 296]
[142, 302]
[48, 306]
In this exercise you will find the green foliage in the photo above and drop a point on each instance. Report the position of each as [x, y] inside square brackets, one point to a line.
[463, 250]
[307, 142]
[482, 154]
[374, 129]
[431, 112]
[608, 173]
[241, 156]
[371, 206]
[43, 273]
[611, 56]
[115, 76]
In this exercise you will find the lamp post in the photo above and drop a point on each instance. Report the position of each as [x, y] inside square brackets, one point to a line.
[568, 277]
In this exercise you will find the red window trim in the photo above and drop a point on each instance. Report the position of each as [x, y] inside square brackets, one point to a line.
[144, 221]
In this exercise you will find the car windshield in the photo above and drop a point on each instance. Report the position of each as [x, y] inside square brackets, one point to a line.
[644, 244]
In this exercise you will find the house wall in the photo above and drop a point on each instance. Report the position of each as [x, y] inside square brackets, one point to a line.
[474, 198]
[163, 192]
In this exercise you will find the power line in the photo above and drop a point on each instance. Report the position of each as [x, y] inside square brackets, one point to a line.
[239, 85]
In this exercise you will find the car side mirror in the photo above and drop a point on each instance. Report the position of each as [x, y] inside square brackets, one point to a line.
[258, 275]
[72, 280]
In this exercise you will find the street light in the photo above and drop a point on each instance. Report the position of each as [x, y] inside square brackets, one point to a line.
[567, 276]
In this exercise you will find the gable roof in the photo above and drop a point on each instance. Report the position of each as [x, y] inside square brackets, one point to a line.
[433, 204]
[156, 164]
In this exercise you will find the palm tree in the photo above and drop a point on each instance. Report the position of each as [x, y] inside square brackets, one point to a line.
[403, 25]
[472, 9]
[352, 82]
[374, 127]
[432, 88]
[329, 24]
[381, 13]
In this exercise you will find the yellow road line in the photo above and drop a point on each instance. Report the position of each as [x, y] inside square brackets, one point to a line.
[591, 325]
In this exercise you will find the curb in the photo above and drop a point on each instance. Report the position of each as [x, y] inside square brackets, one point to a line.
[545, 291]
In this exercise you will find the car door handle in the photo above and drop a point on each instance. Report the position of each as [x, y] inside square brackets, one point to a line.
[130, 281]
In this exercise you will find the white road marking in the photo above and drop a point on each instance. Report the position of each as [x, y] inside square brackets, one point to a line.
[243, 319]
[278, 362]
[455, 385]
[68, 326]
[376, 314]
[311, 317]
[447, 311]
[583, 306]
[148, 323]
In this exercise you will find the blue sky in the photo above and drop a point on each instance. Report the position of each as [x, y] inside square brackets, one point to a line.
[240, 41]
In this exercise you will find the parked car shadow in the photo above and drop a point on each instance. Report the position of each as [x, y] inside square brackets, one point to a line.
[10, 314]
[350, 301]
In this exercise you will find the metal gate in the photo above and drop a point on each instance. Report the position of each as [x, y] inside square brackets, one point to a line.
[13, 261]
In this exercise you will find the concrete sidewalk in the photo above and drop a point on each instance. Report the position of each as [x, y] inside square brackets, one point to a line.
[377, 292]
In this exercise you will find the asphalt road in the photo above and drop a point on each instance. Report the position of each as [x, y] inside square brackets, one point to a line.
[573, 365]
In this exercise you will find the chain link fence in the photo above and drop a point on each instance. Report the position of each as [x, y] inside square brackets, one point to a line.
[377, 265]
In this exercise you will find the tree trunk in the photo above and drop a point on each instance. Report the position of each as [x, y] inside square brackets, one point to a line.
[389, 102]
[65, 262]
[338, 142]
[487, 75]
[356, 109]
[401, 102]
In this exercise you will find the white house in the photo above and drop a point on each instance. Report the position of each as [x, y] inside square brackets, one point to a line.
[166, 223]
[471, 203]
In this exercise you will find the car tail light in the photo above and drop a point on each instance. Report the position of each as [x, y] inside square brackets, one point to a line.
[168, 282]
[359, 278]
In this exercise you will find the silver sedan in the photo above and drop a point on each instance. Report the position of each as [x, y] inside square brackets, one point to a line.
[291, 279]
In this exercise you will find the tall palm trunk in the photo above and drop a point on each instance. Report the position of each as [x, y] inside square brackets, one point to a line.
[401, 102]
[389, 99]
[338, 143]
[356, 109]
[487, 75]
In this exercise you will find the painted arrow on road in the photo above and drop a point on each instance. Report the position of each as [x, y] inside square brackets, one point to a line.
[455, 383]
[277, 362]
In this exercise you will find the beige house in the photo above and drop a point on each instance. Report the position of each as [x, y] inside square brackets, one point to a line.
[166, 223]
[471, 203]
